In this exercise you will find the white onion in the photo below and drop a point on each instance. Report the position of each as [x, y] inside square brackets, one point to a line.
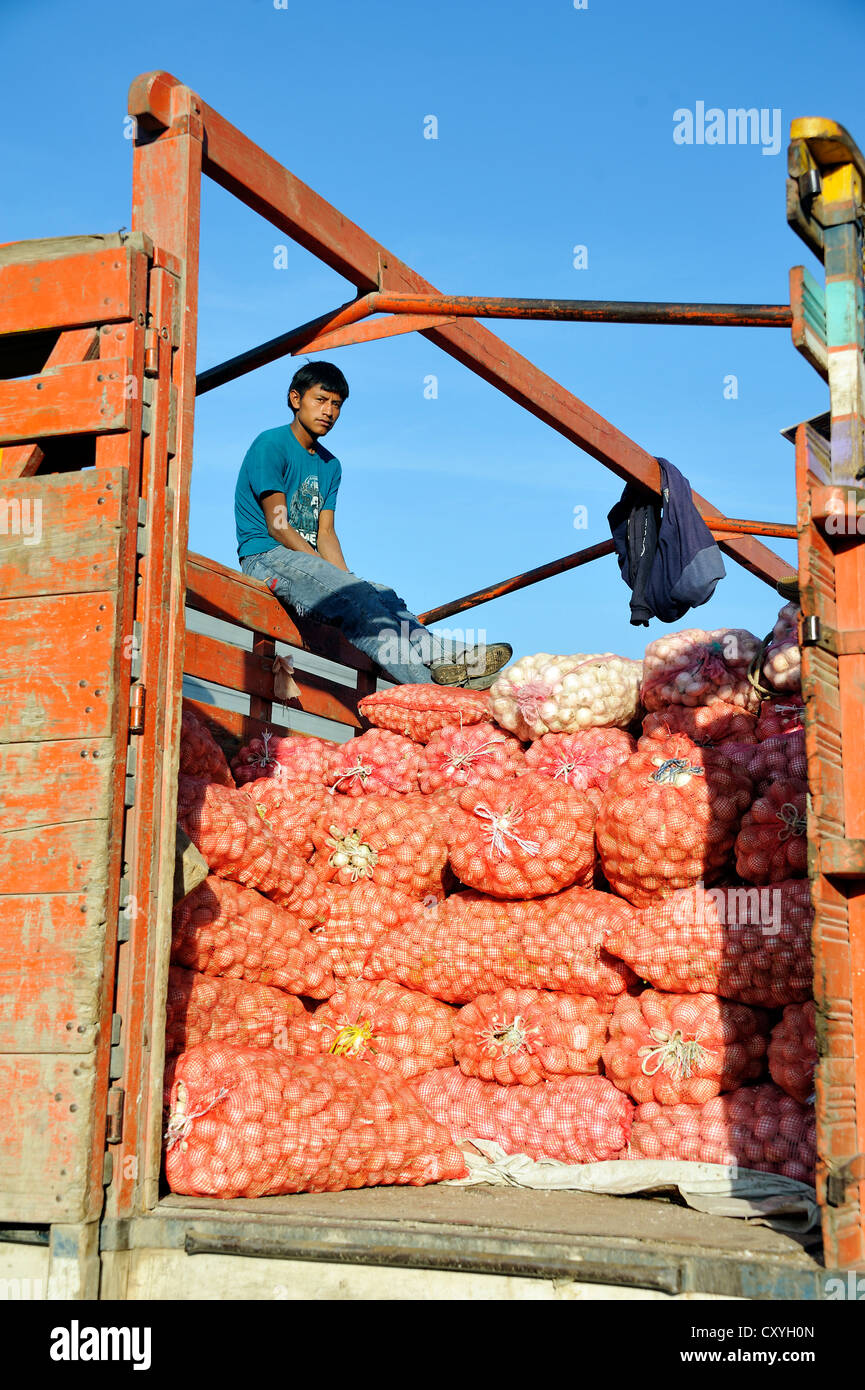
[545, 694]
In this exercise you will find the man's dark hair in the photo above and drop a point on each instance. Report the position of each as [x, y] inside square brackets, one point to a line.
[318, 374]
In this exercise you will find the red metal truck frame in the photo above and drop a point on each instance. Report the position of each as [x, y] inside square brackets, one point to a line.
[179, 138]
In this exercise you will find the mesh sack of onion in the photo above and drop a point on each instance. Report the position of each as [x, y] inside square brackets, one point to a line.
[683, 1047]
[669, 818]
[584, 760]
[576, 1119]
[295, 758]
[544, 694]
[522, 1036]
[289, 810]
[358, 917]
[771, 844]
[782, 663]
[793, 1051]
[200, 754]
[456, 758]
[394, 842]
[754, 1127]
[419, 711]
[207, 1008]
[748, 944]
[694, 667]
[256, 1122]
[225, 826]
[470, 944]
[402, 1031]
[378, 762]
[221, 928]
[523, 837]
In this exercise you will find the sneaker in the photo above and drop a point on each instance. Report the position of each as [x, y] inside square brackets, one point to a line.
[464, 671]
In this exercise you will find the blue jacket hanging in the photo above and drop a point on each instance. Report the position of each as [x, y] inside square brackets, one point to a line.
[666, 552]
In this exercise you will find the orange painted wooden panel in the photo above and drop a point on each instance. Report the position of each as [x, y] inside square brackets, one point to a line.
[56, 667]
[54, 858]
[51, 949]
[82, 398]
[228, 725]
[213, 660]
[61, 532]
[59, 780]
[65, 293]
[45, 1138]
[235, 597]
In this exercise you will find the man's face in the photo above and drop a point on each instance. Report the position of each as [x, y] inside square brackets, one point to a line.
[317, 409]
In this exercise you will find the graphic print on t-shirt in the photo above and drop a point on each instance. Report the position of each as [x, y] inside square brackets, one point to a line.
[304, 510]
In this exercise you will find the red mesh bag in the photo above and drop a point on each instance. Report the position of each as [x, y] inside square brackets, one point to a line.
[522, 838]
[200, 754]
[578, 1119]
[793, 1051]
[395, 842]
[583, 760]
[755, 1127]
[522, 1036]
[470, 944]
[683, 1047]
[780, 717]
[222, 929]
[781, 759]
[669, 818]
[225, 826]
[379, 761]
[289, 810]
[253, 1122]
[205, 1008]
[358, 917]
[296, 758]
[694, 667]
[748, 944]
[404, 1033]
[419, 711]
[709, 726]
[456, 758]
[771, 844]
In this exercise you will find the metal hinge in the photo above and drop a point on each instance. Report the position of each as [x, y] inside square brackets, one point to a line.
[143, 538]
[838, 1181]
[137, 706]
[131, 771]
[115, 1064]
[151, 352]
[116, 1099]
[814, 633]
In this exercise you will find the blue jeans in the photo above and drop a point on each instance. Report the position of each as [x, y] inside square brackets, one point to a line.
[372, 616]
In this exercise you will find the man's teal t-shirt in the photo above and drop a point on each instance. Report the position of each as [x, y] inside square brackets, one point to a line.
[276, 462]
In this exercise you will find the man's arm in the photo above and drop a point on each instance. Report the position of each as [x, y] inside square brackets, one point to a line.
[329, 547]
[273, 505]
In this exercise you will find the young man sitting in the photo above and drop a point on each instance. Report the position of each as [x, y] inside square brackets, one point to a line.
[284, 508]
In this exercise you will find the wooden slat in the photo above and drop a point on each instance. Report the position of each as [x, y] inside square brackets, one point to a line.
[57, 781]
[62, 858]
[74, 547]
[44, 1165]
[230, 728]
[51, 949]
[77, 345]
[81, 398]
[66, 293]
[56, 667]
[207, 658]
[237, 598]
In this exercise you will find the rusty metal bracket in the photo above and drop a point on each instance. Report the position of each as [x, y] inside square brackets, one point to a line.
[837, 1182]
[814, 633]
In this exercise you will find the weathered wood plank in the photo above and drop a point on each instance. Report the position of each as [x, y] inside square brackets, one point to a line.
[76, 345]
[48, 782]
[230, 728]
[61, 532]
[51, 970]
[57, 667]
[54, 858]
[68, 292]
[208, 658]
[45, 1138]
[81, 398]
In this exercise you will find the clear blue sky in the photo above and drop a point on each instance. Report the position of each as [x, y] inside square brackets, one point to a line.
[555, 129]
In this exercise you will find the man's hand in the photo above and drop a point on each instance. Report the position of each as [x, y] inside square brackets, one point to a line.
[275, 510]
[329, 547]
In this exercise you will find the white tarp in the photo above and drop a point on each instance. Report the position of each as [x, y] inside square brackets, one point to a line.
[721, 1190]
